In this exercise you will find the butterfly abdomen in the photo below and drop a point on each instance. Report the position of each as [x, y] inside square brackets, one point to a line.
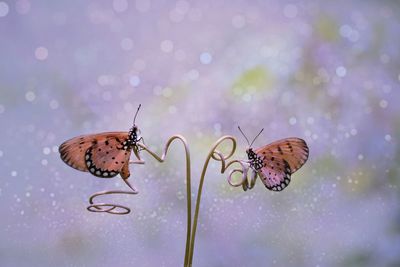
[125, 173]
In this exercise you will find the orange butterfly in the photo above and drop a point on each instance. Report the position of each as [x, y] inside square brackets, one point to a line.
[276, 162]
[104, 155]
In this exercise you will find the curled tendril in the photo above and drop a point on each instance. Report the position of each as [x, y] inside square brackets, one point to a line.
[112, 208]
[245, 182]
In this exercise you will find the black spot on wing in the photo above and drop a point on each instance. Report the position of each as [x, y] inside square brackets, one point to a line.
[289, 146]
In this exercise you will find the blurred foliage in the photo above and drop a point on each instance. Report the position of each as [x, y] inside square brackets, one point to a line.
[358, 259]
[253, 80]
[327, 28]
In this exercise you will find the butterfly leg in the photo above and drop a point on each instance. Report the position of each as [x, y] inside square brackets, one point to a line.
[142, 139]
[139, 160]
[249, 183]
[141, 148]
[253, 178]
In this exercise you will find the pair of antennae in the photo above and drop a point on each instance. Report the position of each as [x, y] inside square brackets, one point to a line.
[250, 144]
[137, 111]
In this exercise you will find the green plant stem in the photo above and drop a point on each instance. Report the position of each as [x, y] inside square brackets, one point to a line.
[200, 188]
[188, 185]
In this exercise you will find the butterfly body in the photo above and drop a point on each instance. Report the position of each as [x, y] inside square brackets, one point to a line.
[133, 138]
[256, 162]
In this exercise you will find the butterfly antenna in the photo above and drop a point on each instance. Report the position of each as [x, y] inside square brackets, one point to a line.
[244, 136]
[137, 111]
[257, 136]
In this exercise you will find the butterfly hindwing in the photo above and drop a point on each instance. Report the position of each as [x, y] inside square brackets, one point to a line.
[281, 159]
[275, 175]
[106, 158]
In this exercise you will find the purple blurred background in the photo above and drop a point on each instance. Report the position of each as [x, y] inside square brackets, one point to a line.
[328, 72]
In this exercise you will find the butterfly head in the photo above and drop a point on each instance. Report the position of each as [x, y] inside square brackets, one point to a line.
[251, 155]
[133, 131]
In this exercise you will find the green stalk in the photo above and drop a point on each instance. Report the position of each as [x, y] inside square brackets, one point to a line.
[188, 184]
[200, 188]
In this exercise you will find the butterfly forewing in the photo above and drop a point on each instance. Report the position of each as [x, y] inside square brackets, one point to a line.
[73, 151]
[280, 159]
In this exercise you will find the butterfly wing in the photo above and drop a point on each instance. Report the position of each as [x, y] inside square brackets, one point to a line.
[73, 151]
[107, 158]
[281, 159]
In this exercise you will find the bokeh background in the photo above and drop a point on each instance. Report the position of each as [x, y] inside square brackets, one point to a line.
[325, 71]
